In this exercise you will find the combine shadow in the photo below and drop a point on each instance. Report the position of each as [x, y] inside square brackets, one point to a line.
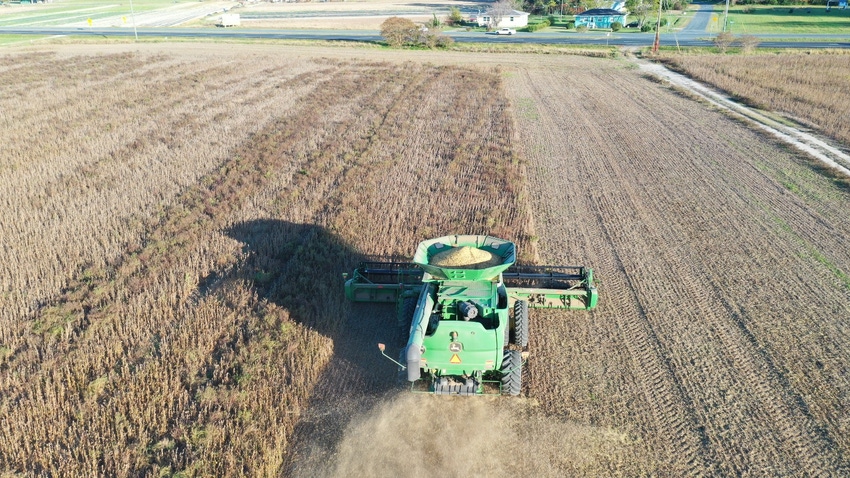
[299, 267]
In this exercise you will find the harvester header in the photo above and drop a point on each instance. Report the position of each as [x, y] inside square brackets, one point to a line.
[462, 316]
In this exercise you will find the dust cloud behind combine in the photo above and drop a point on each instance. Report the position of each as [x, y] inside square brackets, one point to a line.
[419, 435]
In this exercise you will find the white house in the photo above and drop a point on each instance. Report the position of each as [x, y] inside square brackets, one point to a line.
[513, 19]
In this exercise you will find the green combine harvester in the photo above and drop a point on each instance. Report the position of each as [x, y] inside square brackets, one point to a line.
[463, 317]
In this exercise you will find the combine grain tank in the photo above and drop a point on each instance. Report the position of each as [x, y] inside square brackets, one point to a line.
[463, 316]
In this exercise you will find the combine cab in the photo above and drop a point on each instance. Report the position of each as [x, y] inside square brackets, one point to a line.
[463, 316]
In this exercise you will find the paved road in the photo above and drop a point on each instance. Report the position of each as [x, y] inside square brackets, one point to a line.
[702, 17]
[592, 38]
[263, 15]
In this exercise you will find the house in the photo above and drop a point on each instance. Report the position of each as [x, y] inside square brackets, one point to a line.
[512, 19]
[600, 18]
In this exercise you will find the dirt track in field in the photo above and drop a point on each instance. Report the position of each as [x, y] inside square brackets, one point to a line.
[720, 343]
[809, 143]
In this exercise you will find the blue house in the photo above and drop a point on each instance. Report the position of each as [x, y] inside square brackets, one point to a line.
[600, 18]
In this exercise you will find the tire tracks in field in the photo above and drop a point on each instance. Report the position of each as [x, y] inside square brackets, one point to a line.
[668, 402]
[668, 206]
[798, 432]
[741, 197]
[669, 259]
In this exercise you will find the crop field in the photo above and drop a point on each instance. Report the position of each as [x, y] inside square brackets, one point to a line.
[176, 223]
[809, 89]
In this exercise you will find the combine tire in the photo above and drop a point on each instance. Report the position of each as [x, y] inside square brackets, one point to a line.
[512, 372]
[521, 323]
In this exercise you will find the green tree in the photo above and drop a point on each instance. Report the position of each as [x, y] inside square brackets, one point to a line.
[399, 31]
[454, 16]
[640, 9]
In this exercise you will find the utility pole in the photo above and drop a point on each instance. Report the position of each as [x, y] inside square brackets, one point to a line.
[726, 15]
[133, 16]
[657, 41]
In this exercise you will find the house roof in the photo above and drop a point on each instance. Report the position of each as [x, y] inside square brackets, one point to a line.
[515, 13]
[599, 12]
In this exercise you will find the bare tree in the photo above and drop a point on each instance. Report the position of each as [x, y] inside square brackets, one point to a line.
[500, 10]
[723, 40]
[748, 43]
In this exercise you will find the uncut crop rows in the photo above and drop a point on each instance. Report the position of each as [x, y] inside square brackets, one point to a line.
[809, 89]
[174, 252]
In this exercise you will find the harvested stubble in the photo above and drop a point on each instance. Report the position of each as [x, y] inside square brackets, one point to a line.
[698, 228]
[465, 257]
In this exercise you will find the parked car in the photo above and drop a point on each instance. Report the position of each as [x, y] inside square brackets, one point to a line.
[505, 31]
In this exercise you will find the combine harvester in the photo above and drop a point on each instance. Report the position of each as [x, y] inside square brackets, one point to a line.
[453, 306]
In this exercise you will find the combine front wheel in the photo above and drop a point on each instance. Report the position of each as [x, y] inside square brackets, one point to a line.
[512, 372]
[521, 323]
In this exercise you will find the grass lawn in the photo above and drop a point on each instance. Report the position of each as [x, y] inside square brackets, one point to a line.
[12, 39]
[47, 14]
[786, 19]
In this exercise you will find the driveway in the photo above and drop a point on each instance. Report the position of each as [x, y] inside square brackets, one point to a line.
[701, 20]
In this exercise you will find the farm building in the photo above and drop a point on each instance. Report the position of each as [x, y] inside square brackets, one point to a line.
[513, 19]
[600, 18]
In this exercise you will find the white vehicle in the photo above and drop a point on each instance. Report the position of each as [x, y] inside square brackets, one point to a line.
[505, 31]
[229, 20]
